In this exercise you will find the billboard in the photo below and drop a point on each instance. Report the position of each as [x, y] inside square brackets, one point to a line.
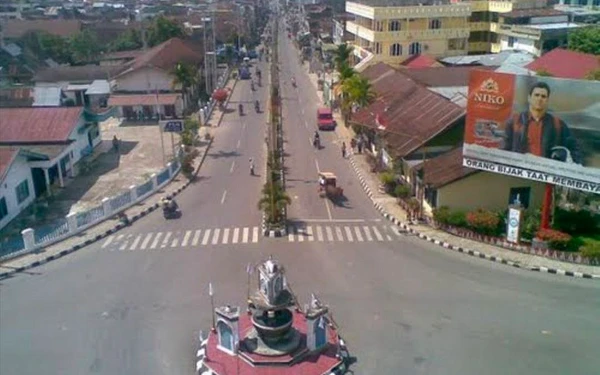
[538, 128]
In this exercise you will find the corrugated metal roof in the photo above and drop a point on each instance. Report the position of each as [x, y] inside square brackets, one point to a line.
[30, 125]
[446, 168]
[98, 87]
[12, 49]
[46, 96]
[79, 87]
[148, 99]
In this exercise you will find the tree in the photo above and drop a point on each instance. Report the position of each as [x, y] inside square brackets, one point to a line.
[341, 56]
[44, 45]
[162, 30]
[358, 90]
[185, 77]
[585, 39]
[129, 40]
[84, 46]
[273, 201]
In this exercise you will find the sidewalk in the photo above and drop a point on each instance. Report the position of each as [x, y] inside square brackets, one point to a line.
[107, 227]
[388, 206]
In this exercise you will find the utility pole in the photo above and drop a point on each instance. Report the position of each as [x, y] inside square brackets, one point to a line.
[210, 55]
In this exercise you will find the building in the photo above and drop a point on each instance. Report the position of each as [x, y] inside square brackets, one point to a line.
[14, 29]
[562, 63]
[39, 147]
[393, 30]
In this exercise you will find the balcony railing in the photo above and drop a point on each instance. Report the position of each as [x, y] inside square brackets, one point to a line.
[429, 34]
[99, 114]
[428, 11]
[520, 31]
[360, 31]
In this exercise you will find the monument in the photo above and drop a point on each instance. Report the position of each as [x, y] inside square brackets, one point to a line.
[273, 333]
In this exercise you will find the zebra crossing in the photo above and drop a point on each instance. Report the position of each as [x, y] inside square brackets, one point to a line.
[343, 233]
[181, 239]
[247, 235]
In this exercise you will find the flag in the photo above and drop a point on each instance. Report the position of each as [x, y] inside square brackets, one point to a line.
[210, 289]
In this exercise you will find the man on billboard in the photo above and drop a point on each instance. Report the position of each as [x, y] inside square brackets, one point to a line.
[540, 133]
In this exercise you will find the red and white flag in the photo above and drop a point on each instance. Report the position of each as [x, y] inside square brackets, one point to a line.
[381, 125]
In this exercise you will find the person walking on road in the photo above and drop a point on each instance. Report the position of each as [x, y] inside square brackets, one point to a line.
[344, 150]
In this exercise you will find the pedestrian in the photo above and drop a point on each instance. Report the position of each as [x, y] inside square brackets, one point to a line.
[344, 150]
[359, 145]
[115, 143]
[353, 144]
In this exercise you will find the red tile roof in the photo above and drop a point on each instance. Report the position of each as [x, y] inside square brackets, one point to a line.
[37, 125]
[420, 61]
[446, 168]
[562, 63]
[147, 99]
[223, 363]
[65, 28]
[411, 113]
[7, 155]
[166, 55]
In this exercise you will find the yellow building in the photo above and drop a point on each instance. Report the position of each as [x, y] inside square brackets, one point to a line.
[393, 30]
[484, 25]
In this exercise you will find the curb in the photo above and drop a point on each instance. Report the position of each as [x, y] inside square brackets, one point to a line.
[201, 369]
[108, 232]
[459, 249]
[271, 232]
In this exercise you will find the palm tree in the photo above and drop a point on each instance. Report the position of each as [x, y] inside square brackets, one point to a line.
[342, 56]
[184, 76]
[359, 91]
[274, 200]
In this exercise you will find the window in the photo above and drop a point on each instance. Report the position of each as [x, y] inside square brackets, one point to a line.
[511, 41]
[394, 25]
[435, 24]
[3, 208]
[378, 26]
[414, 48]
[378, 48]
[22, 191]
[520, 195]
[395, 49]
[457, 44]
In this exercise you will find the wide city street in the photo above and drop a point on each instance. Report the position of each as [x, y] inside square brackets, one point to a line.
[133, 303]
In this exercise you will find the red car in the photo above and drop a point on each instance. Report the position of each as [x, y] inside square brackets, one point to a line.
[325, 119]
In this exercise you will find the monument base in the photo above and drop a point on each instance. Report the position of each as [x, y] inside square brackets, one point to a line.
[254, 344]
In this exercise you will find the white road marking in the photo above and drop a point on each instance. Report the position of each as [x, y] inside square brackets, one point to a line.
[359, 236]
[328, 209]
[317, 165]
[223, 197]
[331, 221]
[238, 144]
[300, 232]
[310, 142]
[186, 238]
[291, 235]
[319, 233]
[368, 233]
[146, 241]
[329, 233]
[396, 230]
[309, 231]
[232, 166]
[377, 234]
[245, 235]
[196, 238]
[124, 246]
[175, 242]
[135, 242]
[108, 241]
[302, 111]
[338, 233]
[244, 126]
[166, 240]
[225, 236]
[206, 237]
[306, 124]
[215, 239]
[349, 234]
[156, 239]
[255, 235]
[236, 235]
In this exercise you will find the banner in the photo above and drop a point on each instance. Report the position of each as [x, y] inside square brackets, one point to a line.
[538, 128]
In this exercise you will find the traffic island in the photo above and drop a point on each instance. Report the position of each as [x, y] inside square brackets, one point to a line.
[273, 335]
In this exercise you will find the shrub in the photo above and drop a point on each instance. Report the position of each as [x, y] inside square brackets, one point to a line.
[457, 219]
[187, 164]
[575, 222]
[483, 221]
[591, 251]
[402, 191]
[442, 214]
[556, 240]
[388, 180]
[531, 224]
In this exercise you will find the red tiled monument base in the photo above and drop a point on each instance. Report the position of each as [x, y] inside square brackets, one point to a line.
[299, 362]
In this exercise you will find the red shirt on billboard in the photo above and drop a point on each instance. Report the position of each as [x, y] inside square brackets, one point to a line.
[538, 132]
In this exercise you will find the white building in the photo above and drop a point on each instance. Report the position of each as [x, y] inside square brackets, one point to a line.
[40, 147]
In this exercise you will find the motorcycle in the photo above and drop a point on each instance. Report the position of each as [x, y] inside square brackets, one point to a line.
[241, 109]
[317, 143]
[171, 210]
[251, 169]
[293, 82]
[257, 107]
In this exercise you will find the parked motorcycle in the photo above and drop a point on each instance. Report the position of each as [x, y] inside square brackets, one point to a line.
[170, 209]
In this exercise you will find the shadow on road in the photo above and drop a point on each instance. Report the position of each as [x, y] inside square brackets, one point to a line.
[223, 154]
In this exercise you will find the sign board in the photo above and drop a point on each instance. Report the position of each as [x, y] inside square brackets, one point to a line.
[172, 126]
[537, 128]
[513, 229]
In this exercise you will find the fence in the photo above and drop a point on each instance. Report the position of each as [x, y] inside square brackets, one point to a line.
[32, 239]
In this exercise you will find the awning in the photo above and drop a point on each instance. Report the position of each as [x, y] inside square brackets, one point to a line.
[147, 99]
[99, 87]
[77, 87]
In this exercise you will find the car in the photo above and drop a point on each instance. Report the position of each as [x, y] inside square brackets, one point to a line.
[325, 119]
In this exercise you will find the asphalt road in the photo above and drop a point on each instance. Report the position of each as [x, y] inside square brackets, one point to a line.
[404, 306]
